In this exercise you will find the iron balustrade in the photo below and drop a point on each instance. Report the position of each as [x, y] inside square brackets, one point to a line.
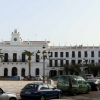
[13, 60]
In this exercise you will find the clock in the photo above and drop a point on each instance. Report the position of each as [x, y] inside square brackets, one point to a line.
[15, 39]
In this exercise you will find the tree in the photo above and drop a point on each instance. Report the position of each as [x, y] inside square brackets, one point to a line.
[29, 54]
[93, 69]
[66, 68]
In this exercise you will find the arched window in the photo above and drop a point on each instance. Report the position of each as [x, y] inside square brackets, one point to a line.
[14, 71]
[5, 72]
[37, 71]
[23, 72]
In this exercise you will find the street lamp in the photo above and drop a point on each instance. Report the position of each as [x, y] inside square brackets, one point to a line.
[82, 67]
[44, 57]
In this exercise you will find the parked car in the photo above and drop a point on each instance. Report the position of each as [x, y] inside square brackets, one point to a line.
[89, 76]
[6, 95]
[95, 84]
[39, 77]
[73, 84]
[40, 91]
[54, 77]
[12, 78]
[33, 78]
[98, 76]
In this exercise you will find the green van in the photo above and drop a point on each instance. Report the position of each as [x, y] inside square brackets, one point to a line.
[73, 84]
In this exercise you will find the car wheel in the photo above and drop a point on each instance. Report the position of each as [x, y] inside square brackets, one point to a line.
[74, 93]
[59, 96]
[97, 88]
[12, 99]
[42, 98]
[87, 91]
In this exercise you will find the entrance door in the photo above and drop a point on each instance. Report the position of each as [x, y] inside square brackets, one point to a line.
[14, 71]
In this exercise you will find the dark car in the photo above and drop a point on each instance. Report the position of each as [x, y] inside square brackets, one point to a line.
[95, 84]
[40, 91]
[12, 78]
[54, 77]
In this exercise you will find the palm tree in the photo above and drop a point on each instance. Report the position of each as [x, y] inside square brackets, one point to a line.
[29, 54]
[1, 56]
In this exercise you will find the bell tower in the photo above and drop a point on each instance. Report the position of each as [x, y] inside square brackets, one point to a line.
[15, 38]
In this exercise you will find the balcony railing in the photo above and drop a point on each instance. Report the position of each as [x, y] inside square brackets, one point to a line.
[13, 60]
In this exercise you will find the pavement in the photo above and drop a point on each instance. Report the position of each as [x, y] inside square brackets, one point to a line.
[14, 86]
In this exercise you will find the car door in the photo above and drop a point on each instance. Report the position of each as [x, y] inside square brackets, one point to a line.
[84, 85]
[2, 95]
[53, 90]
[46, 91]
[80, 85]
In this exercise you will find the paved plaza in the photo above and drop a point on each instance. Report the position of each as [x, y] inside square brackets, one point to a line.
[14, 86]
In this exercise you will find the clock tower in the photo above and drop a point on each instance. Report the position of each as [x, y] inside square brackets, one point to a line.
[15, 38]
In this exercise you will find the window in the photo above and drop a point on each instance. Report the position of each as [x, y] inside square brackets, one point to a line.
[50, 62]
[56, 54]
[45, 86]
[61, 62]
[73, 62]
[99, 54]
[15, 39]
[1, 90]
[74, 81]
[67, 62]
[79, 53]
[73, 53]
[56, 62]
[79, 81]
[64, 79]
[6, 57]
[85, 54]
[50, 86]
[31, 86]
[92, 53]
[67, 54]
[79, 61]
[98, 61]
[92, 61]
[61, 54]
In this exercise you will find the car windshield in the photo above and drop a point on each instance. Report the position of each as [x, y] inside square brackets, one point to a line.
[64, 79]
[31, 86]
[91, 80]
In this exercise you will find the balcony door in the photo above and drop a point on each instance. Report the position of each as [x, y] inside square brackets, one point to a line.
[6, 57]
[14, 57]
[23, 57]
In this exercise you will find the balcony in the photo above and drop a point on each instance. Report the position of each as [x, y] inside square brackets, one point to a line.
[13, 60]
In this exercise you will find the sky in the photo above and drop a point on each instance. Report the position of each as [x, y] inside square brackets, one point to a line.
[62, 22]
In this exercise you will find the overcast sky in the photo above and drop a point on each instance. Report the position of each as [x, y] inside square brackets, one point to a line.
[61, 22]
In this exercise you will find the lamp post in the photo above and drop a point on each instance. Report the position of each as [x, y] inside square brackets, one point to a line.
[83, 68]
[44, 56]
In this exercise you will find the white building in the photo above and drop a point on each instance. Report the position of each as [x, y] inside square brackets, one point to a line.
[16, 63]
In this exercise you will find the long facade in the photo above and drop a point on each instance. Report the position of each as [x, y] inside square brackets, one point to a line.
[16, 63]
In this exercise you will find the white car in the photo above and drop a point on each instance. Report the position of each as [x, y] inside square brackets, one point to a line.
[89, 76]
[98, 76]
[39, 77]
[6, 95]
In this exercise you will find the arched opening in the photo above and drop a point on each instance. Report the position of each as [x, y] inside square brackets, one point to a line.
[23, 72]
[37, 71]
[5, 72]
[14, 71]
